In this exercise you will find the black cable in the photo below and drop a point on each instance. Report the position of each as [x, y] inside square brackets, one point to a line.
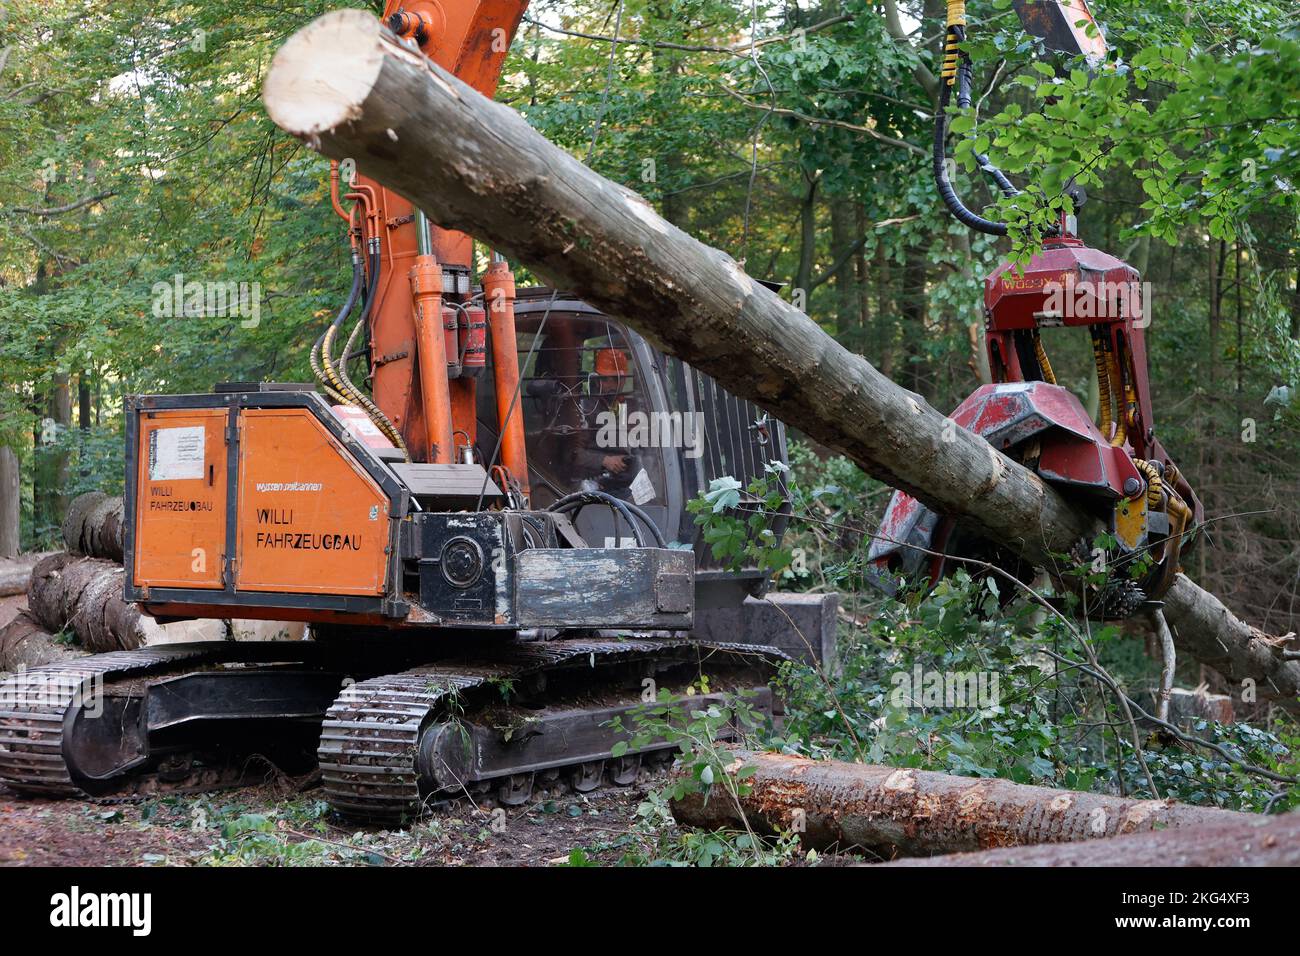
[580, 499]
[963, 101]
[343, 312]
[966, 217]
[341, 369]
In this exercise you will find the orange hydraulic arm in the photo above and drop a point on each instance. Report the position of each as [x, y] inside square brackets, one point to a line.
[427, 331]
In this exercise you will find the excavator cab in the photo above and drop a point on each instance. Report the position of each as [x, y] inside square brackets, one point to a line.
[605, 411]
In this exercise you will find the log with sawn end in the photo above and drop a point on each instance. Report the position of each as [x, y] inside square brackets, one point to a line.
[349, 89]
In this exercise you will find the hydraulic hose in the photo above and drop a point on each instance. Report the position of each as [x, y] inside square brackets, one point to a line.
[338, 376]
[580, 499]
[1043, 363]
[952, 65]
[1103, 387]
[371, 288]
[1121, 405]
[318, 349]
[963, 100]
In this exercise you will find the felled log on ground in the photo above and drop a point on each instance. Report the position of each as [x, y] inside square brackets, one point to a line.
[24, 643]
[344, 86]
[85, 595]
[893, 812]
[1253, 841]
[93, 526]
[16, 573]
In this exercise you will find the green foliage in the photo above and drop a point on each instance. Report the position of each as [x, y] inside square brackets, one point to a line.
[1049, 726]
[697, 730]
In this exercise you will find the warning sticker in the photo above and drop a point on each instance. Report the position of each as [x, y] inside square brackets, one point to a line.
[176, 453]
[642, 488]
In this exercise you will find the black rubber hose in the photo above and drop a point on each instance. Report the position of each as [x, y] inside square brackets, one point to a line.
[343, 312]
[963, 100]
[579, 500]
[966, 217]
[629, 511]
[371, 288]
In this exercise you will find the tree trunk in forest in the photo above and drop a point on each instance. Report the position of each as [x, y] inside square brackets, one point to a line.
[843, 235]
[349, 90]
[1253, 841]
[917, 812]
[807, 242]
[83, 401]
[862, 274]
[61, 412]
[913, 302]
[667, 69]
[885, 312]
[10, 502]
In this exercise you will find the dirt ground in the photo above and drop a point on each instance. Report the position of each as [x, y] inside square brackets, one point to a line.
[279, 824]
[10, 606]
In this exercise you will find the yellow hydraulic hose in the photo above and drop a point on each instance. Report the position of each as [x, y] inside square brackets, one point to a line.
[1043, 363]
[1155, 484]
[1121, 404]
[355, 396]
[956, 18]
[1103, 387]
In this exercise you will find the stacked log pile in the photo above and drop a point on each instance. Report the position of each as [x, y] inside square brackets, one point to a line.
[84, 595]
[78, 592]
[93, 526]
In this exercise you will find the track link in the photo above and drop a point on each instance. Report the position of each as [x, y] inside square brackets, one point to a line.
[34, 705]
[371, 736]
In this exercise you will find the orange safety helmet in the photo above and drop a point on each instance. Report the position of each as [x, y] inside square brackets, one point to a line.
[611, 363]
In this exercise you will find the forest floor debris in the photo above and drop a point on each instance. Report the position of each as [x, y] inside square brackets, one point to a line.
[276, 825]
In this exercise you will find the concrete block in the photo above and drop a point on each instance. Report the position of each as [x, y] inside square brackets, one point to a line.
[800, 624]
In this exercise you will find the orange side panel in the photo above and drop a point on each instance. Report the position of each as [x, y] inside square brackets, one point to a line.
[311, 521]
[180, 520]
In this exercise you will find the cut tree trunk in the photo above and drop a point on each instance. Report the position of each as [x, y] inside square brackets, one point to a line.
[93, 526]
[84, 595]
[893, 812]
[16, 573]
[10, 502]
[347, 88]
[1254, 841]
[24, 643]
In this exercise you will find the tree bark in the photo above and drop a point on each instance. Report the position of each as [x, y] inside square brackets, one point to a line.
[93, 526]
[24, 643]
[1254, 841]
[890, 812]
[10, 502]
[343, 85]
[84, 595]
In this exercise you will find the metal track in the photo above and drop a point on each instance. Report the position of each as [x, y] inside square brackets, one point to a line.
[35, 703]
[371, 736]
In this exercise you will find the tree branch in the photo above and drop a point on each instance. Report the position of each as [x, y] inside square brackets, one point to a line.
[819, 121]
[59, 210]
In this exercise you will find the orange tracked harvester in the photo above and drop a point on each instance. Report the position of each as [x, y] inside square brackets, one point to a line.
[443, 506]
